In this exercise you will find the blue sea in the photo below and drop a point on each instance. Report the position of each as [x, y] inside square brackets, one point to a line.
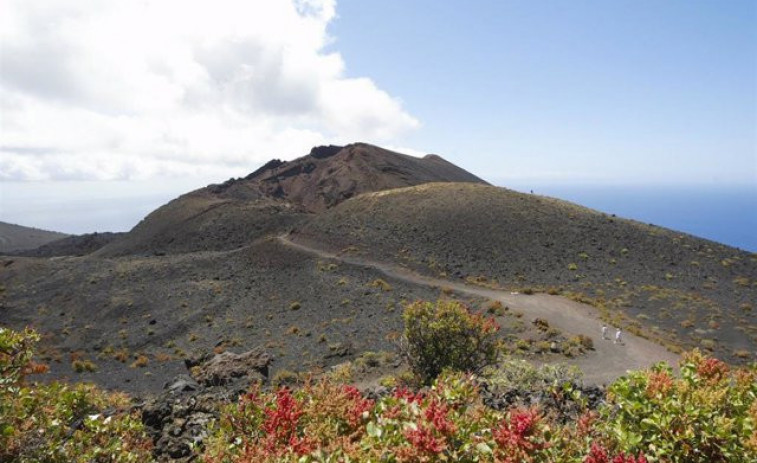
[724, 214]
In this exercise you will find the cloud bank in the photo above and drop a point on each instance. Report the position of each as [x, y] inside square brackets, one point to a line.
[96, 89]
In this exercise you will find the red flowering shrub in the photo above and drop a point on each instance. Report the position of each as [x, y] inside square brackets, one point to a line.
[281, 425]
[519, 437]
[711, 369]
[706, 414]
[598, 454]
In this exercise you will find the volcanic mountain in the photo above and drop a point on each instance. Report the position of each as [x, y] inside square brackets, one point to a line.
[277, 196]
[313, 260]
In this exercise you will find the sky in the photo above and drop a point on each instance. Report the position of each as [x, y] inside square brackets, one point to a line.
[109, 109]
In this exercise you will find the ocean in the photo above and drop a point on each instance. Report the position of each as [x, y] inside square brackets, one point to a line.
[724, 214]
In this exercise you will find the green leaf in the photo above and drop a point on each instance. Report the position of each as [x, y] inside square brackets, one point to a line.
[373, 430]
[483, 447]
[8, 430]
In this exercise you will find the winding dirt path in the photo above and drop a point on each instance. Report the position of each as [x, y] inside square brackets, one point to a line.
[604, 364]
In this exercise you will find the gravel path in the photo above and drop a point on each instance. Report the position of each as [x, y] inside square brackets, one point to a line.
[604, 364]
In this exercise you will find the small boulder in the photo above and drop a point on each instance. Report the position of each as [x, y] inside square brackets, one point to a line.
[227, 366]
[182, 383]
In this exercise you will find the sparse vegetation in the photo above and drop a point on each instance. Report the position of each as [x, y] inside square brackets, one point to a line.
[446, 335]
[519, 374]
[293, 330]
[140, 361]
[381, 284]
[81, 366]
[495, 308]
[122, 355]
[284, 378]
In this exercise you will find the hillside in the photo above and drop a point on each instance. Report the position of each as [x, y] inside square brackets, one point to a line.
[664, 284]
[17, 238]
[309, 313]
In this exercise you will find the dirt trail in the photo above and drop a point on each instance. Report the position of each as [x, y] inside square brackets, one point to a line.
[601, 366]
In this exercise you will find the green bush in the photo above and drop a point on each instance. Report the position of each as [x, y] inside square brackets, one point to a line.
[16, 352]
[708, 414]
[446, 335]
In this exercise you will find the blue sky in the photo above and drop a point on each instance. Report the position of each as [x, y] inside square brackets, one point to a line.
[130, 103]
[579, 91]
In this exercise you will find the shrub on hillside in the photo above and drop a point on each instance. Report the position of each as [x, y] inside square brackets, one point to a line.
[708, 414]
[16, 353]
[57, 422]
[447, 335]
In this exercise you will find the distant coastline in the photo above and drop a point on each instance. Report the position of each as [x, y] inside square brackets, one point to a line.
[726, 214]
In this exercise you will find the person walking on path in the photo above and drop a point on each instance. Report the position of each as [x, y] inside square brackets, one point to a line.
[604, 331]
[617, 337]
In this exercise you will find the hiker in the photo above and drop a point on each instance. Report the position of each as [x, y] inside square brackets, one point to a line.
[604, 331]
[617, 336]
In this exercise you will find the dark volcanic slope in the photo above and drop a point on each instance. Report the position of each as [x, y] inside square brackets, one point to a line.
[202, 221]
[16, 237]
[276, 197]
[309, 313]
[664, 284]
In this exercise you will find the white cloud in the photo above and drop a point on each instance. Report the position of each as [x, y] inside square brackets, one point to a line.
[98, 89]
